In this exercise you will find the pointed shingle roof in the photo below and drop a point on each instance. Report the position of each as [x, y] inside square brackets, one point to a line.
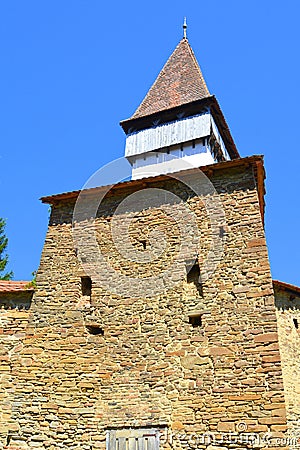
[179, 82]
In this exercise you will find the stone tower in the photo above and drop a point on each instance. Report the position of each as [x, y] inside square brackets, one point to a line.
[153, 322]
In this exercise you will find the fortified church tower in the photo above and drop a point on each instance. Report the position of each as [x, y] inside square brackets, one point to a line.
[154, 323]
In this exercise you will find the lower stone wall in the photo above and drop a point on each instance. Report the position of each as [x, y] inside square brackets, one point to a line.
[13, 328]
[288, 318]
[64, 388]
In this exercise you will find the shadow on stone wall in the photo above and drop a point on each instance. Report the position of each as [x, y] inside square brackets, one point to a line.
[287, 299]
[16, 300]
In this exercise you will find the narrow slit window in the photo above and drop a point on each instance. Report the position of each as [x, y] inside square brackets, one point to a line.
[296, 323]
[194, 276]
[86, 286]
[144, 243]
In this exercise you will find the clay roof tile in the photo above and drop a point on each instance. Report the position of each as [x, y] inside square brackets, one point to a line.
[15, 286]
[179, 82]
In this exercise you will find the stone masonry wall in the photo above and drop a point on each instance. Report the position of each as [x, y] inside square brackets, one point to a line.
[13, 327]
[288, 319]
[149, 366]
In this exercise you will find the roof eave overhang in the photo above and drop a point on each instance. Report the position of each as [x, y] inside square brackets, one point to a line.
[256, 162]
[286, 287]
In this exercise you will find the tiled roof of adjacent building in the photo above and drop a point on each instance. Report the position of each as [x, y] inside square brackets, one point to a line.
[286, 286]
[179, 82]
[15, 286]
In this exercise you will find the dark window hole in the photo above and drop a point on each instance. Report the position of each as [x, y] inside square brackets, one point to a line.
[86, 286]
[195, 321]
[222, 232]
[144, 244]
[194, 276]
[95, 330]
[296, 323]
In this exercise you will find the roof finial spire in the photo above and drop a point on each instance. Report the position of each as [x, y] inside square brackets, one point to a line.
[184, 28]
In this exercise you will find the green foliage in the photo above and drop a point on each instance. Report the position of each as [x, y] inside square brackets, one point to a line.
[32, 283]
[3, 256]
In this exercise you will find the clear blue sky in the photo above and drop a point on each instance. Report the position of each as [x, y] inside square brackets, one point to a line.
[72, 69]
